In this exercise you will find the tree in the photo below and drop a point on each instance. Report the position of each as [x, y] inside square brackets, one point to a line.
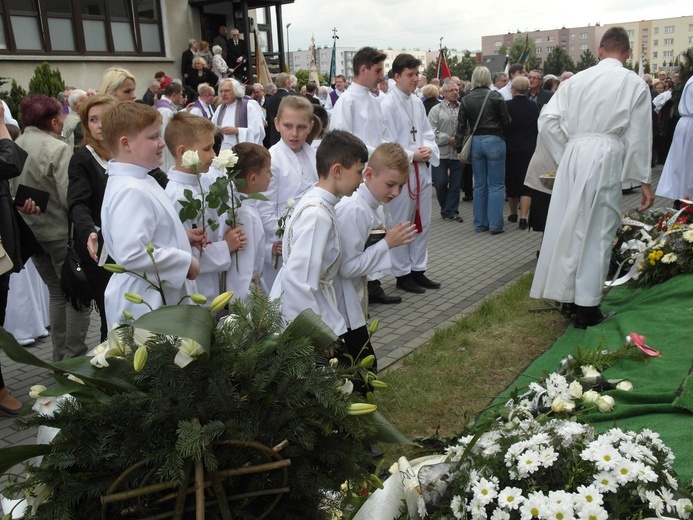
[686, 68]
[462, 68]
[503, 50]
[46, 81]
[13, 98]
[587, 60]
[303, 74]
[518, 48]
[558, 61]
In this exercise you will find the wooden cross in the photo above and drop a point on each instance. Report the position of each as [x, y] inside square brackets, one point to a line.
[413, 132]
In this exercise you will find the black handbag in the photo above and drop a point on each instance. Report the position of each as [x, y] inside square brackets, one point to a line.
[73, 279]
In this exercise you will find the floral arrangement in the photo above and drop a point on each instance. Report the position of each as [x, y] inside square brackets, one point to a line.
[193, 208]
[523, 469]
[654, 246]
[172, 414]
[577, 384]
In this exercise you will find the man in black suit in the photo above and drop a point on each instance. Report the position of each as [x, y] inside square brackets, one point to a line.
[537, 92]
[236, 57]
[186, 65]
[283, 82]
[312, 93]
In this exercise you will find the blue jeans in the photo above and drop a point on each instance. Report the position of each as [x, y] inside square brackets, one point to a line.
[448, 187]
[488, 163]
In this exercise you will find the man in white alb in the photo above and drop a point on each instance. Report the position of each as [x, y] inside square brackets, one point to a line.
[406, 123]
[597, 128]
[240, 120]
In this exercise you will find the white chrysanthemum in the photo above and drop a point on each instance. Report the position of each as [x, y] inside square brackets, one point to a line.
[631, 450]
[684, 507]
[605, 482]
[499, 514]
[484, 490]
[421, 507]
[547, 456]
[624, 472]
[457, 506]
[534, 507]
[559, 512]
[510, 498]
[606, 457]
[528, 462]
[669, 258]
[688, 236]
[589, 495]
[477, 508]
[673, 483]
[655, 502]
[455, 452]
[644, 472]
[593, 512]
[561, 498]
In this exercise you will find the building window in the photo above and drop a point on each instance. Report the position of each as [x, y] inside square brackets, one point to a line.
[656, 30]
[537, 39]
[654, 54]
[668, 54]
[644, 37]
[668, 41]
[498, 43]
[549, 50]
[668, 29]
[538, 50]
[631, 32]
[584, 46]
[583, 36]
[645, 29]
[69, 27]
[690, 40]
[572, 47]
[655, 43]
[549, 38]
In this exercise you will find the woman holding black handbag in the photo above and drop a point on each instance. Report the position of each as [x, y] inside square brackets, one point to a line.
[87, 174]
[483, 112]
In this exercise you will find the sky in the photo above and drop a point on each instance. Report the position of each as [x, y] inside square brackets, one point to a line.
[419, 24]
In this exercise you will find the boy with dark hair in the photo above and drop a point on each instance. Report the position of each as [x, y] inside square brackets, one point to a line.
[406, 123]
[137, 212]
[311, 245]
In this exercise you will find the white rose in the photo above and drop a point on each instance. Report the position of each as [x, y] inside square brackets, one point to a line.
[575, 390]
[605, 403]
[290, 203]
[590, 372]
[569, 406]
[225, 159]
[190, 159]
[625, 385]
[590, 396]
[558, 405]
[35, 390]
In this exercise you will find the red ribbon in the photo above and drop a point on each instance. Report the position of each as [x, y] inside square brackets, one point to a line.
[417, 197]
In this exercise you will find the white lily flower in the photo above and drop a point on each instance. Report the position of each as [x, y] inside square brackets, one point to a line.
[35, 391]
[187, 352]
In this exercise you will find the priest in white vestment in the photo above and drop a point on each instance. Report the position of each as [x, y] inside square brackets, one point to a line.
[597, 128]
[247, 126]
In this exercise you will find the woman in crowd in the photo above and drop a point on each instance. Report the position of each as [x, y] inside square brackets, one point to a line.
[205, 53]
[520, 140]
[87, 174]
[430, 97]
[488, 149]
[219, 66]
[118, 83]
[201, 75]
[46, 169]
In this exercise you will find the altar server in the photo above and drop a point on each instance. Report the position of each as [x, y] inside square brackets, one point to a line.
[406, 123]
[311, 246]
[137, 212]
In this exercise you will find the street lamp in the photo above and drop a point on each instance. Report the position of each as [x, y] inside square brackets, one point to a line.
[288, 45]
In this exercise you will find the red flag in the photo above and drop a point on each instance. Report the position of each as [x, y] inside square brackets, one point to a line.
[442, 70]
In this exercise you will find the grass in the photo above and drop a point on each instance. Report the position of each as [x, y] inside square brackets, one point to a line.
[447, 381]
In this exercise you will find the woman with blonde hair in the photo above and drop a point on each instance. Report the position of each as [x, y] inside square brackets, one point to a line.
[118, 83]
[87, 184]
[200, 74]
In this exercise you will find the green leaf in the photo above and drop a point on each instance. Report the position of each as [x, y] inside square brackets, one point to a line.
[18, 454]
[257, 196]
[111, 377]
[309, 325]
[386, 432]
[184, 321]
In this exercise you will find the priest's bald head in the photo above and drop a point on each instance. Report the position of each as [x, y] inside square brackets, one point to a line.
[615, 44]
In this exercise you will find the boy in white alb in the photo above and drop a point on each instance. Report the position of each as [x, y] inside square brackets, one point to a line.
[136, 212]
[357, 217]
[187, 132]
[406, 123]
[253, 167]
[293, 171]
[311, 245]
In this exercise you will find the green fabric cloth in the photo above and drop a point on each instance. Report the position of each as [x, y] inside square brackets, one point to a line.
[664, 315]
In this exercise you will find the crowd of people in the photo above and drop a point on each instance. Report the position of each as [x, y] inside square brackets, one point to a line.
[347, 174]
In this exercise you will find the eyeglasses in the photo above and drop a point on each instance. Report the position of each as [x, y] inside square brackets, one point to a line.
[225, 91]
[535, 77]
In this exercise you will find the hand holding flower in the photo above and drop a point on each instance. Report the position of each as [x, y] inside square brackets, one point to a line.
[235, 239]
